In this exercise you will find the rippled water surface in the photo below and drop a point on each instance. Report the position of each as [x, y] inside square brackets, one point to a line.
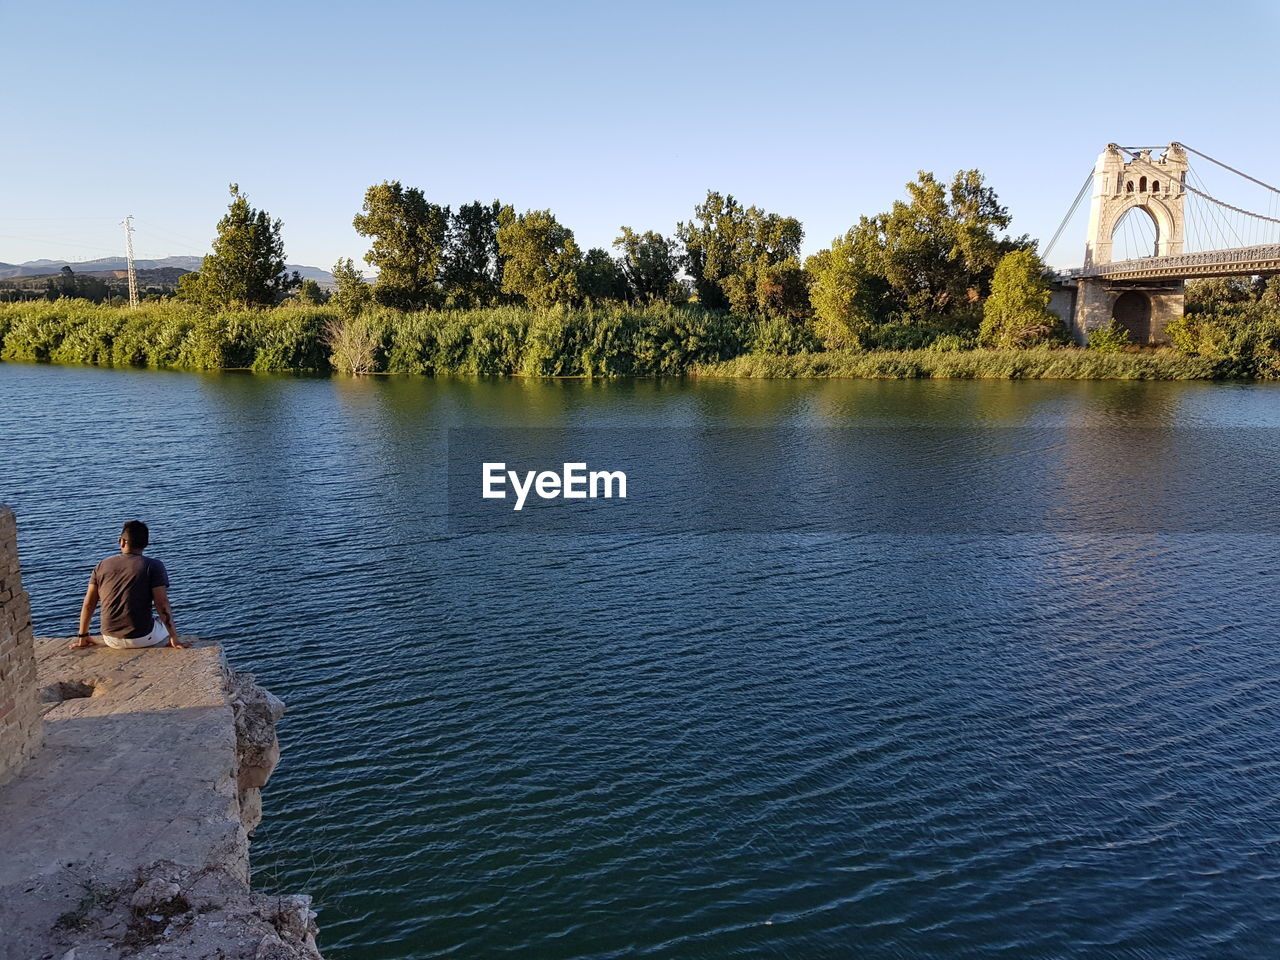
[702, 746]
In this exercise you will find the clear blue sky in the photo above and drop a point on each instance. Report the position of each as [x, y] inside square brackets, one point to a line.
[606, 113]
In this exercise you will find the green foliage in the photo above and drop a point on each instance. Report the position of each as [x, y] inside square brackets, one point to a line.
[951, 343]
[927, 261]
[173, 334]
[541, 260]
[217, 341]
[408, 244]
[745, 259]
[1243, 340]
[782, 336]
[311, 294]
[1219, 294]
[848, 299]
[557, 344]
[290, 339]
[190, 287]
[1039, 363]
[601, 278]
[72, 285]
[1270, 296]
[414, 344]
[353, 295]
[669, 341]
[247, 265]
[1016, 314]
[472, 264]
[497, 341]
[1112, 338]
[1235, 323]
[651, 265]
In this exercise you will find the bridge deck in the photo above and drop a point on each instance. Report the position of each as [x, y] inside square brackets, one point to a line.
[1236, 262]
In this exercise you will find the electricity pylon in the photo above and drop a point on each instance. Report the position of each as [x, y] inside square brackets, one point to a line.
[133, 275]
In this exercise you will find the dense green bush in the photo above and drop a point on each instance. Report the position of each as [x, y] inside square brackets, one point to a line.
[1112, 338]
[783, 336]
[1243, 340]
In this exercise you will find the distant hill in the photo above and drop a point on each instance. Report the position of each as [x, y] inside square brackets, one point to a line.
[36, 268]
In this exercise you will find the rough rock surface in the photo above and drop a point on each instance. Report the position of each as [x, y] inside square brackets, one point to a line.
[128, 835]
[257, 747]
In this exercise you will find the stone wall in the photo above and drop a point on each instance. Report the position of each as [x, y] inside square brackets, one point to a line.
[21, 728]
[1096, 304]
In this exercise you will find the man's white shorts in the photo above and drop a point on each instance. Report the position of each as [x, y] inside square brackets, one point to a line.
[159, 634]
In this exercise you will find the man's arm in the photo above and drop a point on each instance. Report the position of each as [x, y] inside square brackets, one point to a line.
[86, 616]
[160, 597]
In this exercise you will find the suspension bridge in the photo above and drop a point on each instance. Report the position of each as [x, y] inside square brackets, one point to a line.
[1163, 210]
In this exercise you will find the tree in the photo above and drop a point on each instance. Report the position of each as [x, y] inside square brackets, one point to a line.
[408, 244]
[247, 265]
[1270, 296]
[1016, 314]
[601, 278]
[937, 252]
[541, 258]
[352, 295]
[70, 284]
[744, 258]
[311, 294]
[651, 265]
[472, 273]
[1213, 294]
[847, 298]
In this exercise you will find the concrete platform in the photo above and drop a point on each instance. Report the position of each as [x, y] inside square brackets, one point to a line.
[128, 834]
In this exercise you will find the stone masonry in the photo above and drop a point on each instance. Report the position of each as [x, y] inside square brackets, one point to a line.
[21, 728]
[1157, 187]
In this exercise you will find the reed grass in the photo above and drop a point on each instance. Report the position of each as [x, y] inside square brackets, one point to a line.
[608, 341]
[1062, 363]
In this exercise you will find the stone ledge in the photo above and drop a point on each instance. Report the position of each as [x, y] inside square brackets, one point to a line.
[147, 787]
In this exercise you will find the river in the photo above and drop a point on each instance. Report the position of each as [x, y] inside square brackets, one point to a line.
[850, 741]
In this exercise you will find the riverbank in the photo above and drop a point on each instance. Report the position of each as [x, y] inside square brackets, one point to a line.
[1034, 364]
[614, 341]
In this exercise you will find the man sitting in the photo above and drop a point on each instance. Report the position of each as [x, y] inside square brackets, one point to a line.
[127, 585]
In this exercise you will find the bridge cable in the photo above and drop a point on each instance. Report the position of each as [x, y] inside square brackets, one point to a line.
[1221, 203]
[1221, 222]
[1212, 199]
[1238, 173]
[1084, 188]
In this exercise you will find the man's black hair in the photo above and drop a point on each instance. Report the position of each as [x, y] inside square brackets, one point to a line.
[136, 534]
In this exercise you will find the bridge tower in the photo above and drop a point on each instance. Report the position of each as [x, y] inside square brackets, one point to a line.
[1158, 189]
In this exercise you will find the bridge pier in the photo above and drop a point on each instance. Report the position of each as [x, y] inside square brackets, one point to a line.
[1143, 308]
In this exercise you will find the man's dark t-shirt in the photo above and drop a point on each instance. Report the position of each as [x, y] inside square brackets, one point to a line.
[124, 585]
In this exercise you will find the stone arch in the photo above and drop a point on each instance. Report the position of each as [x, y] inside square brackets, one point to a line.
[1159, 213]
[1132, 310]
[1155, 223]
[1123, 180]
